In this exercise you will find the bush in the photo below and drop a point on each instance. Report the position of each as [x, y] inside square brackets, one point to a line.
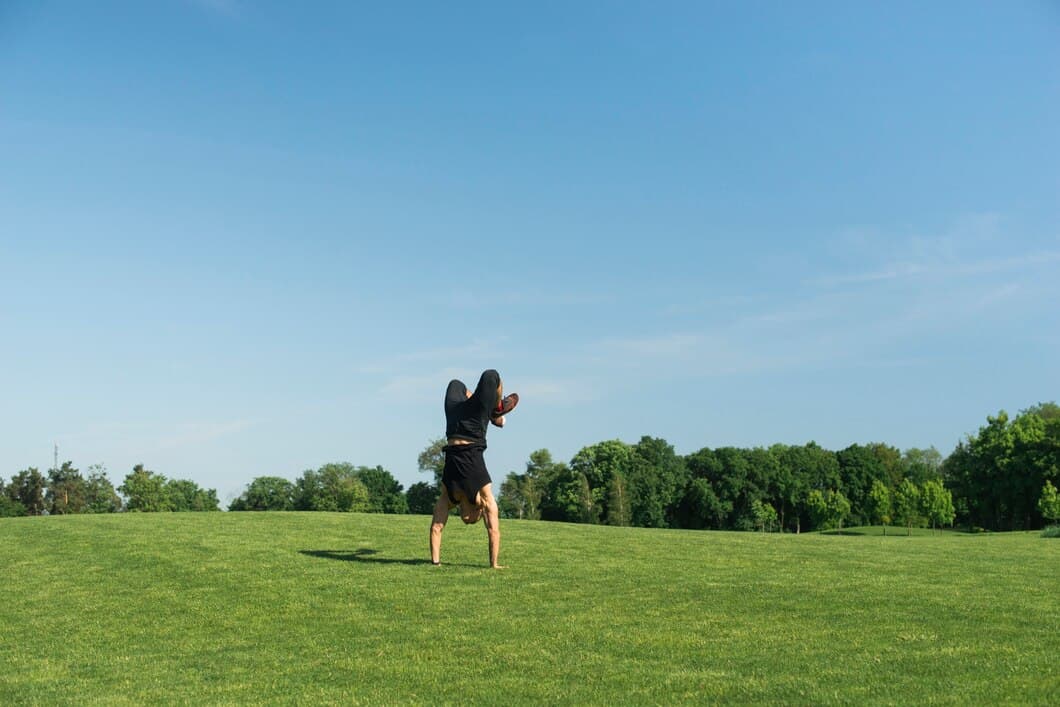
[1053, 531]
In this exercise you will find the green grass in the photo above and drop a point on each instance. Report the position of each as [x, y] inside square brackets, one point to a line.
[332, 608]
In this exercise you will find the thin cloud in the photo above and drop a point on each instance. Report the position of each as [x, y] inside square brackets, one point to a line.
[943, 270]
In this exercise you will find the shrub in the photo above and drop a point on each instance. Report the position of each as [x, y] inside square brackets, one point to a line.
[1053, 531]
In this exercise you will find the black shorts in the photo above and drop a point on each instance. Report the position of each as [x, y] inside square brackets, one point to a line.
[465, 470]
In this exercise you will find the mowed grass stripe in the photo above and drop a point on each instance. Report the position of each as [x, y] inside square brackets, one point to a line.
[292, 607]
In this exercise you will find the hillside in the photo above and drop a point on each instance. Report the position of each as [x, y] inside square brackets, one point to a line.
[278, 607]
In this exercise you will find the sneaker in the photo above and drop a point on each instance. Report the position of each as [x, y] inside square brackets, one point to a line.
[506, 405]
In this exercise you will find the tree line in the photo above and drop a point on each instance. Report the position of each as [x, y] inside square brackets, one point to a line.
[1002, 478]
[65, 490]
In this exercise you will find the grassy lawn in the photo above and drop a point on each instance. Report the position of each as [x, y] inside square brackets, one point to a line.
[289, 607]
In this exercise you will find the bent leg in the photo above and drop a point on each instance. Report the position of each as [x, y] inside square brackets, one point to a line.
[489, 390]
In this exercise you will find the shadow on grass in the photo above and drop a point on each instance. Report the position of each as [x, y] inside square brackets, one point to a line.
[367, 555]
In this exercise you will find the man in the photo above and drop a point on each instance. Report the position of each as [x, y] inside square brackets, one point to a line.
[465, 480]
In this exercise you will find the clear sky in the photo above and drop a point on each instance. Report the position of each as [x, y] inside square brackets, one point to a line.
[245, 238]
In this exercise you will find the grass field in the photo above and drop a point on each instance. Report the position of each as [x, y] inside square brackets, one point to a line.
[307, 608]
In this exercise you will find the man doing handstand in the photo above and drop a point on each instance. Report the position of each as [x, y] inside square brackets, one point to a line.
[465, 480]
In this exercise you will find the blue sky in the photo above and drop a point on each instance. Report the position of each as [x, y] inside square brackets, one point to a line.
[247, 238]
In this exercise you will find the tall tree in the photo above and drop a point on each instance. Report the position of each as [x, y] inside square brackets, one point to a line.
[332, 487]
[385, 494]
[936, 503]
[421, 498]
[922, 465]
[432, 459]
[266, 493]
[657, 480]
[186, 495]
[10, 507]
[859, 467]
[27, 488]
[598, 463]
[100, 496]
[907, 504]
[880, 504]
[145, 491]
[66, 490]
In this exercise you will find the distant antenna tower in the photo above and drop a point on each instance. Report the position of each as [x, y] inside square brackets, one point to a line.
[56, 467]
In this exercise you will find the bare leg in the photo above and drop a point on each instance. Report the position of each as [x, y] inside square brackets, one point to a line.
[441, 514]
[492, 520]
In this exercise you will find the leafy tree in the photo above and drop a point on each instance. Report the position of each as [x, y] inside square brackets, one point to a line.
[66, 490]
[100, 496]
[657, 480]
[997, 474]
[765, 515]
[421, 498]
[565, 499]
[828, 508]
[27, 489]
[701, 508]
[432, 459]
[907, 504]
[266, 493]
[812, 467]
[598, 464]
[922, 465]
[145, 491]
[385, 494]
[880, 504]
[332, 487]
[936, 503]
[1049, 502]
[859, 467]
[9, 507]
[185, 495]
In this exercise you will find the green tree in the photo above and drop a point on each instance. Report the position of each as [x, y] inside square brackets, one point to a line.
[880, 504]
[100, 496]
[186, 495]
[432, 459]
[421, 498]
[265, 493]
[907, 504]
[808, 467]
[828, 508]
[1049, 502]
[618, 508]
[385, 494]
[701, 508]
[332, 487]
[922, 465]
[598, 464]
[859, 468]
[765, 515]
[9, 506]
[657, 480]
[27, 489]
[66, 490]
[936, 503]
[996, 475]
[145, 491]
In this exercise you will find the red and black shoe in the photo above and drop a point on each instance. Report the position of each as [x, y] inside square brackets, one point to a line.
[506, 405]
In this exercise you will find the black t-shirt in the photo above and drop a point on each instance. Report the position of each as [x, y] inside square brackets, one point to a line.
[468, 418]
